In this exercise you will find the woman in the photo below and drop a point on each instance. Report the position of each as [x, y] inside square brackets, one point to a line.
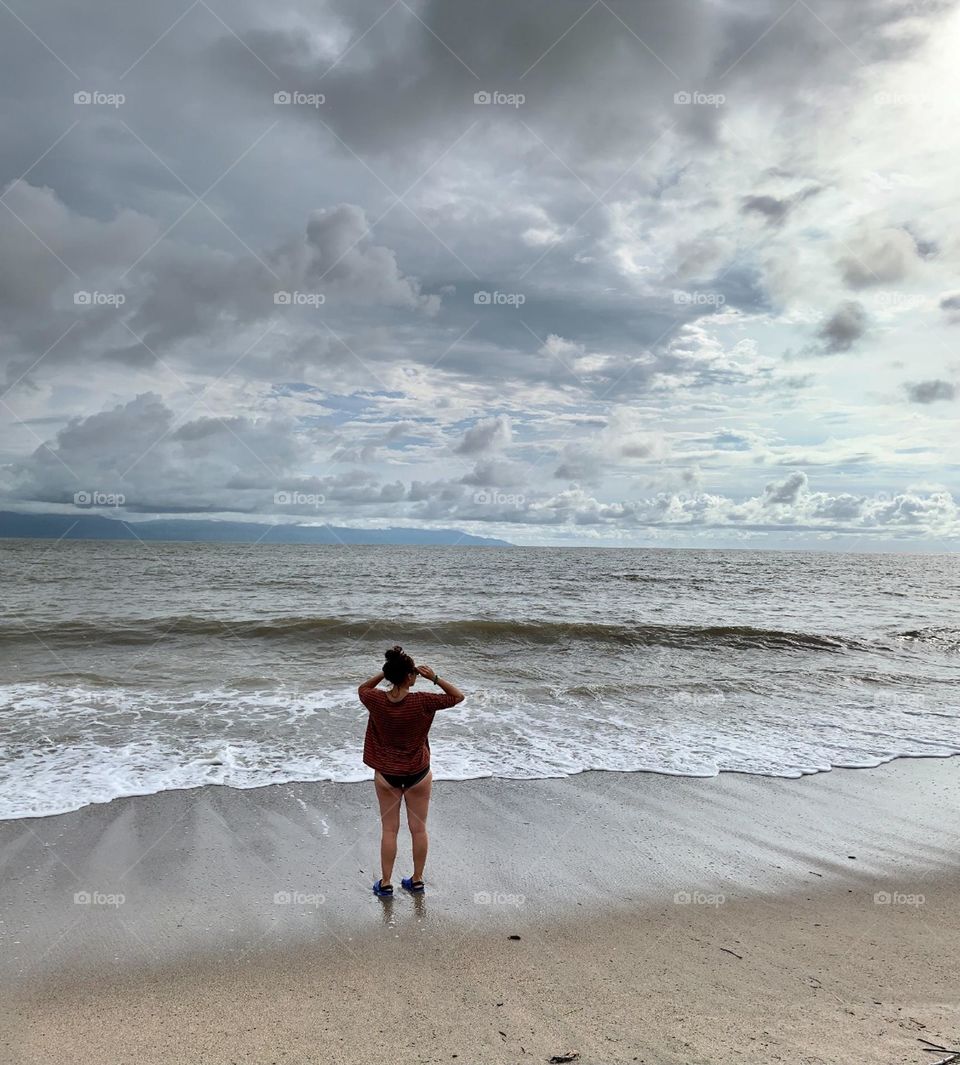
[396, 747]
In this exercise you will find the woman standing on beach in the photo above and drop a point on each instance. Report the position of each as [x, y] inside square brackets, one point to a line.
[397, 749]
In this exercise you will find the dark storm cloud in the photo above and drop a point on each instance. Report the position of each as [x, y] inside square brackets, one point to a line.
[878, 258]
[773, 208]
[597, 77]
[179, 290]
[844, 327]
[602, 78]
[414, 75]
[930, 391]
[393, 78]
[950, 305]
[190, 290]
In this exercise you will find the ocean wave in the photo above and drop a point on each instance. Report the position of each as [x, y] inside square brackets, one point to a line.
[69, 777]
[67, 746]
[943, 636]
[453, 632]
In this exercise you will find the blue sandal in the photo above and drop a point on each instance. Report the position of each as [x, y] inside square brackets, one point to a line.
[382, 892]
[415, 887]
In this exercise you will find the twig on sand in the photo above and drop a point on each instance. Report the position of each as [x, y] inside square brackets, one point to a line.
[953, 1056]
[727, 950]
[570, 1056]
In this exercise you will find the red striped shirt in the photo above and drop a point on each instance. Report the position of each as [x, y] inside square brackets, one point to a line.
[396, 739]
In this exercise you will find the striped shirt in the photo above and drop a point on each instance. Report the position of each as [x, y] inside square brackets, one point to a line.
[396, 739]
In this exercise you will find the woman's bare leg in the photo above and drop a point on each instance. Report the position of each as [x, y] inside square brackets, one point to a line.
[417, 799]
[389, 799]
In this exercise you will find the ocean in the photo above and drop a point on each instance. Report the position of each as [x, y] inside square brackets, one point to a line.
[129, 669]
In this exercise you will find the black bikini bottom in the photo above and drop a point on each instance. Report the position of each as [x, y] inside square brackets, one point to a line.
[406, 781]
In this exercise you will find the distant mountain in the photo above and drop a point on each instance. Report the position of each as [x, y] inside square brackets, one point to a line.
[95, 527]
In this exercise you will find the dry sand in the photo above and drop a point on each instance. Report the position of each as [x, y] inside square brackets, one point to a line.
[661, 920]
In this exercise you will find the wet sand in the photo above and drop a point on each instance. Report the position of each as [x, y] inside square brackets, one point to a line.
[661, 919]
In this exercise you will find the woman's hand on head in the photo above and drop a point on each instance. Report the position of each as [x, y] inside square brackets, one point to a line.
[426, 671]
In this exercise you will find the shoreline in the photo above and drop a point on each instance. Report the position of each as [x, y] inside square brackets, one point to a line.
[141, 795]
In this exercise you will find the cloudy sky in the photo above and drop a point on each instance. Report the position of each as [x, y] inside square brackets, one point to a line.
[670, 272]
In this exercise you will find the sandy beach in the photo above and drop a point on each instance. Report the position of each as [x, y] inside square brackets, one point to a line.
[659, 919]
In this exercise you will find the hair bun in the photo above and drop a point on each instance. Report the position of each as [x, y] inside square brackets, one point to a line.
[398, 665]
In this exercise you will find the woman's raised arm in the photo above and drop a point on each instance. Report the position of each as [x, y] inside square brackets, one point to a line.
[444, 685]
[372, 682]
